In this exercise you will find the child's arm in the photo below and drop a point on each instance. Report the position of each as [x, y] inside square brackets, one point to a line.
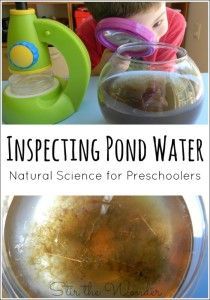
[176, 30]
[174, 35]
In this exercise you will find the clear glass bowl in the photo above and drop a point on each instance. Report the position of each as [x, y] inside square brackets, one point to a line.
[165, 88]
[37, 256]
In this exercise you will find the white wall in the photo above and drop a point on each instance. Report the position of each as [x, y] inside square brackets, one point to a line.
[198, 49]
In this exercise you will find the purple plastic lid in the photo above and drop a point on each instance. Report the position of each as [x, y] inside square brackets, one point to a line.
[114, 32]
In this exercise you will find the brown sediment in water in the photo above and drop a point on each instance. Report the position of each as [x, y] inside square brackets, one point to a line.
[134, 241]
[150, 91]
[150, 97]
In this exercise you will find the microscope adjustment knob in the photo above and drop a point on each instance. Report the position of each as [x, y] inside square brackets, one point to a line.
[23, 54]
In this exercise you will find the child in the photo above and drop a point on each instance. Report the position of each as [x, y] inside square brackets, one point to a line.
[167, 24]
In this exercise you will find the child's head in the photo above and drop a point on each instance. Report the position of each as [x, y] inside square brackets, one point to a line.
[150, 14]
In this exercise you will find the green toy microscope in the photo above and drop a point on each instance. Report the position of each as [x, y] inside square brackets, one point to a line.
[34, 95]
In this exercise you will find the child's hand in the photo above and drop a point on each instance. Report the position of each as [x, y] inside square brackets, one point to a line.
[119, 64]
[104, 59]
[106, 56]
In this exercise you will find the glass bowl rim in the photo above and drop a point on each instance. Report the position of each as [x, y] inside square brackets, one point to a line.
[154, 44]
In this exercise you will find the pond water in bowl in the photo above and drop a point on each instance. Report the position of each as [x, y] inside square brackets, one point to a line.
[140, 247]
[150, 97]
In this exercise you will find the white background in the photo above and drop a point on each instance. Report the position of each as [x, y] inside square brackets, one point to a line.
[108, 187]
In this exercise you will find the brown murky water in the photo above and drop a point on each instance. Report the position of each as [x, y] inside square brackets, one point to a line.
[140, 247]
[150, 97]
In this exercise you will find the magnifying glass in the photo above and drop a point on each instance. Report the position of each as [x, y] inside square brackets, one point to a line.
[114, 32]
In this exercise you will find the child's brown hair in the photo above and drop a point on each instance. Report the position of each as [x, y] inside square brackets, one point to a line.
[118, 9]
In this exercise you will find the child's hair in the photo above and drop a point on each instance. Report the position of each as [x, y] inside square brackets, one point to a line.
[118, 9]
